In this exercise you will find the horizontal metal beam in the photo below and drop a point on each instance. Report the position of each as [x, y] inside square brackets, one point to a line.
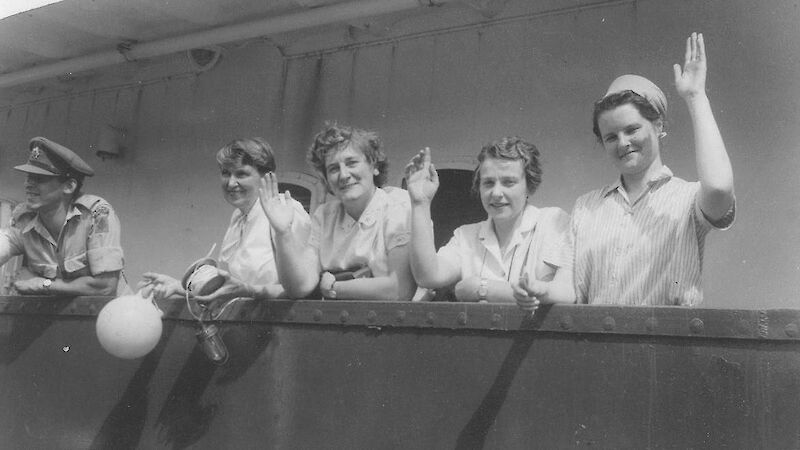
[772, 324]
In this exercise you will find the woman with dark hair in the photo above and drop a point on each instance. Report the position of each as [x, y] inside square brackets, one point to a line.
[517, 241]
[639, 241]
[357, 249]
[246, 258]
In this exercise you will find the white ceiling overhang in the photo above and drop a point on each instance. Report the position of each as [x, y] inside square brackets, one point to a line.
[76, 35]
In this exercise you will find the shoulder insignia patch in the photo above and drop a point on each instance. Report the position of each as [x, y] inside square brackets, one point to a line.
[100, 218]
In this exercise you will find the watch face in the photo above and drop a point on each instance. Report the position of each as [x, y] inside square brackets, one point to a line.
[483, 290]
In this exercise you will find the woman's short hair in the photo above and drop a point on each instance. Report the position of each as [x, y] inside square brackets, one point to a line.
[513, 149]
[254, 152]
[617, 99]
[334, 138]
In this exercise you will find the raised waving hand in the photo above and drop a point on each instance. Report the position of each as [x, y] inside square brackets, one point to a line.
[277, 206]
[690, 80]
[421, 176]
[714, 169]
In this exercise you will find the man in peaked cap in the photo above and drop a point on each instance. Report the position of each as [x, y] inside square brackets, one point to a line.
[70, 240]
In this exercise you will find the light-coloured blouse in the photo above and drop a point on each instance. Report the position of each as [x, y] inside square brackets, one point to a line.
[343, 243]
[247, 250]
[540, 239]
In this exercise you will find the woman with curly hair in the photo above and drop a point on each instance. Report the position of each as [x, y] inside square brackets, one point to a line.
[518, 246]
[357, 249]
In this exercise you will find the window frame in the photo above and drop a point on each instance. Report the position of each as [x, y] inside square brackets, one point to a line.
[311, 183]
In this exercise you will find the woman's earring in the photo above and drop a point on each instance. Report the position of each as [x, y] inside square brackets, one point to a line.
[375, 172]
[663, 134]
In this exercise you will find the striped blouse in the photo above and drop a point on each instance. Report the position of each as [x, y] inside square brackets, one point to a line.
[646, 253]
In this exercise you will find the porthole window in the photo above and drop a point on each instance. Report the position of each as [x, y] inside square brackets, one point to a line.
[299, 193]
[305, 188]
[454, 204]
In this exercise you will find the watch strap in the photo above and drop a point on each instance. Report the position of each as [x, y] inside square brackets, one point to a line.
[483, 290]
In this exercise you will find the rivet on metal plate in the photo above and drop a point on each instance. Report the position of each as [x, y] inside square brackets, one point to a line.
[496, 319]
[651, 324]
[462, 318]
[791, 330]
[344, 316]
[372, 316]
[565, 322]
[696, 325]
[430, 318]
[400, 316]
[609, 323]
[317, 315]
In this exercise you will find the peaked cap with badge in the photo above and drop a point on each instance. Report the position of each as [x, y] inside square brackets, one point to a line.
[53, 159]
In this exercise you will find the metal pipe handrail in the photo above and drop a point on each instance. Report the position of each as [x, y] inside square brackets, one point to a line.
[289, 22]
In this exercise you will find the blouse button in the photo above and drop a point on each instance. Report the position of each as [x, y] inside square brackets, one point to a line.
[368, 221]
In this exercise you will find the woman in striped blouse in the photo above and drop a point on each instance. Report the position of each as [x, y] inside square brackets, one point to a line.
[639, 241]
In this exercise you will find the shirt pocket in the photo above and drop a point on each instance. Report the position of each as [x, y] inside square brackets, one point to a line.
[76, 265]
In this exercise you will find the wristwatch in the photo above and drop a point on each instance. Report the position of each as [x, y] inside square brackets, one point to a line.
[483, 290]
[46, 283]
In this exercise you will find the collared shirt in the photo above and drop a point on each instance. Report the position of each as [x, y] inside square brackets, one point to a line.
[343, 243]
[540, 239]
[247, 251]
[649, 252]
[88, 245]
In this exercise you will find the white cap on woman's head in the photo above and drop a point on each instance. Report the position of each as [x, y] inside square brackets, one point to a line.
[643, 87]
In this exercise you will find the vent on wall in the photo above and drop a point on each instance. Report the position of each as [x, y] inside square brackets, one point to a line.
[203, 59]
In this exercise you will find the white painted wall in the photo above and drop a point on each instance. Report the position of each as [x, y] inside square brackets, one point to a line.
[453, 92]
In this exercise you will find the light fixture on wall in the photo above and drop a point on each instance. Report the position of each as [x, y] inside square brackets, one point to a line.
[110, 142]
[203, 59]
